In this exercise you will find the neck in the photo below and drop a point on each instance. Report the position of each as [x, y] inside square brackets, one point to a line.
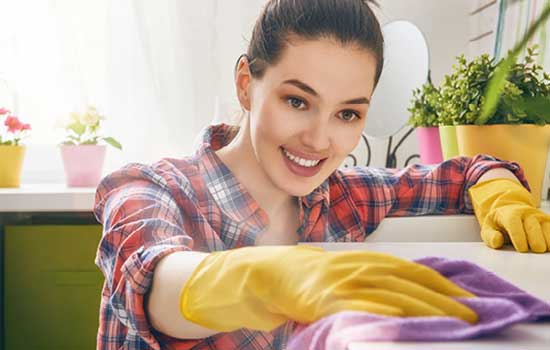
[239, 157]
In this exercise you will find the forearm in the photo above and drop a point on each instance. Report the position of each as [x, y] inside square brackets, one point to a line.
[497, 173]
[170, 275]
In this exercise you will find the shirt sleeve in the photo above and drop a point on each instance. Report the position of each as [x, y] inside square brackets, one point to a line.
[142, 223]
[443, 189]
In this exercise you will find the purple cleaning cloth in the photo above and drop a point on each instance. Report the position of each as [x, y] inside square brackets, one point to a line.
[499, 304]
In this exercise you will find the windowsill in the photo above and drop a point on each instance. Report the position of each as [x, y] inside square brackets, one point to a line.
[47, 198]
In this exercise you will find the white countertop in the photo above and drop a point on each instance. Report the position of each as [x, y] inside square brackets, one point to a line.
[528, 271]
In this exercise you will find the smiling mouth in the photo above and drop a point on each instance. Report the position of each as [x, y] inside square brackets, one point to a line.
[307, 163]
[301, 166]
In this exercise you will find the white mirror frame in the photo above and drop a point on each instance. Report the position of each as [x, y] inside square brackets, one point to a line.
[406, 67]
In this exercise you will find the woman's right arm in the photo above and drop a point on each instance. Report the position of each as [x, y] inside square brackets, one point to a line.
[171, 274]
[146, 214]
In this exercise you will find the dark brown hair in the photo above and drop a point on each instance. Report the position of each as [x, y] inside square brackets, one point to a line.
[347, 21]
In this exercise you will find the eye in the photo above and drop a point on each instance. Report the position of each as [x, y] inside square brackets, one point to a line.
[295, 102]
[349, 115]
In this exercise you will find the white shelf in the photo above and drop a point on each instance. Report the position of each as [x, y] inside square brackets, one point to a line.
[47, 198]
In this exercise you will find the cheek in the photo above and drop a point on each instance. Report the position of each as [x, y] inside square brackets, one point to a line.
[274, 123]
[345, 140]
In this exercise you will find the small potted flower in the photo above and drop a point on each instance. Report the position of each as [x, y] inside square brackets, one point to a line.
[424, 118]
[83, 150]
[12, 152]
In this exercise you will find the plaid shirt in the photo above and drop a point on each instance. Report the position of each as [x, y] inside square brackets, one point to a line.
[196, 203]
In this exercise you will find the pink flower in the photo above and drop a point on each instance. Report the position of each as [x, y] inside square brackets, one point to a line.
[3, 111]
[13, 124]
[25, 127]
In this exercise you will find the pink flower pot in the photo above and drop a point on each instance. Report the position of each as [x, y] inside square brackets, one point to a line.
[83, 164]
[430, 145]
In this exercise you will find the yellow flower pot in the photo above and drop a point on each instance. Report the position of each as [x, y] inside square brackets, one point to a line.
[11, 163]
[525, 144]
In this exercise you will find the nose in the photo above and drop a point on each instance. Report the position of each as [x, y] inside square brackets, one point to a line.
[317, 135]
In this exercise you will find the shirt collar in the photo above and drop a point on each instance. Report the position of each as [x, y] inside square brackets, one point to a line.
[319, 195]
[229, 193]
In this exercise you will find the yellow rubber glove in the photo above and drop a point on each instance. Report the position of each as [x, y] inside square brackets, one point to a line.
[506, 211]
[262, 287]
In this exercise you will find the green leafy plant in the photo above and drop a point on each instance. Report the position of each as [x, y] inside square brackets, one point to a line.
[483, 91]
[523, 98]
[462, 91]
[84, 128]
[425, 106]
[497, 84]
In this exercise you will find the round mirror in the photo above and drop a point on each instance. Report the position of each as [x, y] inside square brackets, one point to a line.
[406, 66]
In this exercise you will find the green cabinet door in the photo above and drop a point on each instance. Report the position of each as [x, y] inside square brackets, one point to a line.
[52, 288]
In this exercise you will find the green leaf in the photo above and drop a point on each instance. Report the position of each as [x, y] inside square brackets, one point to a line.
[89, 142]
[73, 138]
[78, 128]
[494, 89]
[538, 106]
[111, 141]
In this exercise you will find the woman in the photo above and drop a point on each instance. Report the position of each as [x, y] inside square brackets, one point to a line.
[201, 252]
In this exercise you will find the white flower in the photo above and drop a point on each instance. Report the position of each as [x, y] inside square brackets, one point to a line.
[74, 117]
[90, 118]
[66, 120]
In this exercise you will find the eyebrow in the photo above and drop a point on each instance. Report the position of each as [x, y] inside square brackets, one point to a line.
[303, 86]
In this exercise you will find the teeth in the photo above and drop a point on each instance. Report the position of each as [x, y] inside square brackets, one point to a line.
[301, 161]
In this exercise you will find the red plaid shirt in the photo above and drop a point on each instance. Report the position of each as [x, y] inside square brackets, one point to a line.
[196, 203]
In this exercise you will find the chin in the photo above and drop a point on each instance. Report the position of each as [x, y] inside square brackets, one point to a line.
[297, 189]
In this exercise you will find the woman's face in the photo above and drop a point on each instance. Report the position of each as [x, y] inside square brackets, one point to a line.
[307, 112]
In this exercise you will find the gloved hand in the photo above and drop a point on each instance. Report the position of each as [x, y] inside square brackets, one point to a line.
[262, 287]
[506, 211]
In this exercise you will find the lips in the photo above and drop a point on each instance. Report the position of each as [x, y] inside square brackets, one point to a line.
[304, 155]
[301, 170]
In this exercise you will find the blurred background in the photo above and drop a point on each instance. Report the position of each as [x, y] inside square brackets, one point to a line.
[161, 71]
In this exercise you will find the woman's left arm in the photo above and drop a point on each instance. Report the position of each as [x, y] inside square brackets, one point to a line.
[375, 193]
[498, 173]
[443, 189]
[495, 191]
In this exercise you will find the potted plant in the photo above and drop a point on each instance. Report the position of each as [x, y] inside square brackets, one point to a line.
[516, 129]
[424, 118]
[12, 152]
[461, 97]
[525, 139]
[83, 150]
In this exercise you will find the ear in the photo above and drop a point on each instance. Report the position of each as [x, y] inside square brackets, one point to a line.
[242, 82]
